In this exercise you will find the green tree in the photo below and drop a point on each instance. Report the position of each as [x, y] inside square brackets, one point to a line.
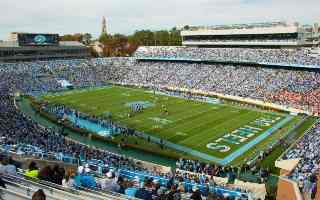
[186, 27]
[126, 45]
[86, 38]
[104, 38]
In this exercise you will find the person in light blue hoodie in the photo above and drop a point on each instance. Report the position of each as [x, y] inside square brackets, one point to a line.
[84, 179]
[131, 191]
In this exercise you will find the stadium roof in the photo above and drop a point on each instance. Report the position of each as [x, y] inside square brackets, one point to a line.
[244, 26]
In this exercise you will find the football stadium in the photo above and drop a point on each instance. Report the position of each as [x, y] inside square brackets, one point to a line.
[204, 128]
[230, 114]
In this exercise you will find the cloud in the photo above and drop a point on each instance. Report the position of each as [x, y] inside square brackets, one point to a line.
[126, 16]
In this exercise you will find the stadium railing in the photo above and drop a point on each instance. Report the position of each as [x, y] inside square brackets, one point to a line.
[7, 193]
[19, 190]
[27, 187]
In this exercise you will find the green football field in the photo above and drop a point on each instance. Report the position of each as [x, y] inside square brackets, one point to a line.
[214, 129]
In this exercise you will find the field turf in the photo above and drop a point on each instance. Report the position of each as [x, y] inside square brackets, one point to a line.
[189, 123]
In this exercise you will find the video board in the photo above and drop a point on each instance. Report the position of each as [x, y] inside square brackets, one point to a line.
[35, 39]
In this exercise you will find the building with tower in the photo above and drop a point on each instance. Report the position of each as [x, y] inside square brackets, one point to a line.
[104, 26]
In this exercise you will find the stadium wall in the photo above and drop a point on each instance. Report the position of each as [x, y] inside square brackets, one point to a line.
[241, 44]
[253, 64]
[288, 189]
[11, 54]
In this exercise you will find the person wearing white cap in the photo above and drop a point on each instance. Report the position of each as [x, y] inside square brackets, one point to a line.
[87, 169]
[80, 169]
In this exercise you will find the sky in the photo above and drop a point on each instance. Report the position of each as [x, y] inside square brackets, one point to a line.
[126, 16]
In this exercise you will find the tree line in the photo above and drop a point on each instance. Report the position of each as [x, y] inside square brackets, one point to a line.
[126, 45]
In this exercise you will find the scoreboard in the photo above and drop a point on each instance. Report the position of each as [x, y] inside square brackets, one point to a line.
[37, 39]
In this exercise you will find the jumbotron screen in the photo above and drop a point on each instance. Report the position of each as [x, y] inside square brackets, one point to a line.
[34, 39]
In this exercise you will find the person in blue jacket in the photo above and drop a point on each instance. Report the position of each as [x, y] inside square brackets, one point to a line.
[84, 179]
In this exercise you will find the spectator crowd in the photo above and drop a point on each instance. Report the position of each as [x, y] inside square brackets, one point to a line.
[19, 133]
[295, 88]
[281, 56]
[306, 149]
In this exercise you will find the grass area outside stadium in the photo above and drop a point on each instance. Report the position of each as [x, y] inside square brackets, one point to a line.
[190, 123]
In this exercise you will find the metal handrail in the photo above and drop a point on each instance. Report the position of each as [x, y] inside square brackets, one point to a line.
[52, 186]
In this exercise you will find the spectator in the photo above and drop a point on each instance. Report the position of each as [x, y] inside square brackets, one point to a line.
[146, 192]
[58, 174]
[7, 167]
[2, 183]
[32, 170]
[130, 191]
[11, 167]
[196, 195]
[174, 194]
[46, 174]
[68, 180]
[313, 190]
[39, 195]
[115, 185]
[84, 179]
[106, 182]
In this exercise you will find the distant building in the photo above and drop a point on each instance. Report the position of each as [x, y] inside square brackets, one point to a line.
[97, 47]
[39, 46]
[316, 31]
[104, 26]
[274, 34]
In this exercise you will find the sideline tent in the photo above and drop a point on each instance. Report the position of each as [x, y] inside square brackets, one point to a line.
[258, 191]
[287, 165]
[65, 83]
